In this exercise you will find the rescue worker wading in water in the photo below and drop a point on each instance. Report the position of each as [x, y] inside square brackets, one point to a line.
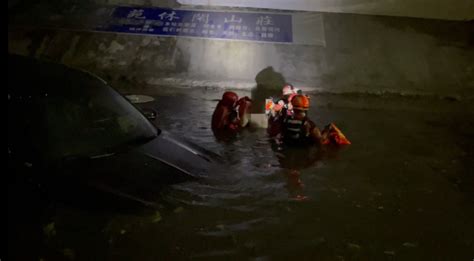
[231, 113]
[298, 129]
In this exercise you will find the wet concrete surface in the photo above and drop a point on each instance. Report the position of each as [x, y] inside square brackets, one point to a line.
[404, 190]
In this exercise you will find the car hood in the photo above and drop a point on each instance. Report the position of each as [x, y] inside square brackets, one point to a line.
[137, 174]
[182, 155]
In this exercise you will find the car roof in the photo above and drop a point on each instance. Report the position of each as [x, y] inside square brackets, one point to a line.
[30, 76]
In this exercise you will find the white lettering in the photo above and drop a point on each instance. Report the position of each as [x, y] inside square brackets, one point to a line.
[233, 19]
[202, 18]
[136, 13]
[264, 20]
[171, 16]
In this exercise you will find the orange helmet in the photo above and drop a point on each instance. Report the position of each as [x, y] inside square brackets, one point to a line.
[300, 102]
[229, 98]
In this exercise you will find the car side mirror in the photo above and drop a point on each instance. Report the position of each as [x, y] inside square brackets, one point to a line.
[150, 114]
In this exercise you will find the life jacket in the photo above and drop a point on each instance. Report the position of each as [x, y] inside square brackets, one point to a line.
[224, 117]
[294, 129]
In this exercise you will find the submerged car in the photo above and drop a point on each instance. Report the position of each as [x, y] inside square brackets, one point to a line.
[74, 136]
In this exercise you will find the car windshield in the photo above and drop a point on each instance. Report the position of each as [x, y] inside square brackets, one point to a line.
[98, 120]
[79, 117]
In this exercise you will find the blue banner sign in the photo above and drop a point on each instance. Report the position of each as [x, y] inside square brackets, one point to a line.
[265, 27]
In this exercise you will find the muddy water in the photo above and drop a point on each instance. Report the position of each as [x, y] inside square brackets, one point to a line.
[404, 190]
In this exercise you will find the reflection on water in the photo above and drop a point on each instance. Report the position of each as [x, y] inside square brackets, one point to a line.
[402, 190]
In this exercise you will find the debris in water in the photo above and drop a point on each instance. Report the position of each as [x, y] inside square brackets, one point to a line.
[138, 98]
[409, 244]
[354, 247]
[178, 210]
[49, 230]
[220, 226]
[69, 253]
[318, 241]
[156, 217]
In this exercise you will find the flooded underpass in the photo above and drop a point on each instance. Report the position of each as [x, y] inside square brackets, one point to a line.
[404, 189]
[396, 77]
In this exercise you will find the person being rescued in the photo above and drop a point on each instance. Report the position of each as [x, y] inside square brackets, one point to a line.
[278, 109]
[283, 104]
[231, 113]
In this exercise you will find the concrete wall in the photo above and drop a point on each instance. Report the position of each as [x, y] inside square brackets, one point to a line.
[363, 54]
[433, 9]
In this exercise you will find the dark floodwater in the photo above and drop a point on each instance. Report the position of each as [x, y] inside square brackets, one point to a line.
[404, 190]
